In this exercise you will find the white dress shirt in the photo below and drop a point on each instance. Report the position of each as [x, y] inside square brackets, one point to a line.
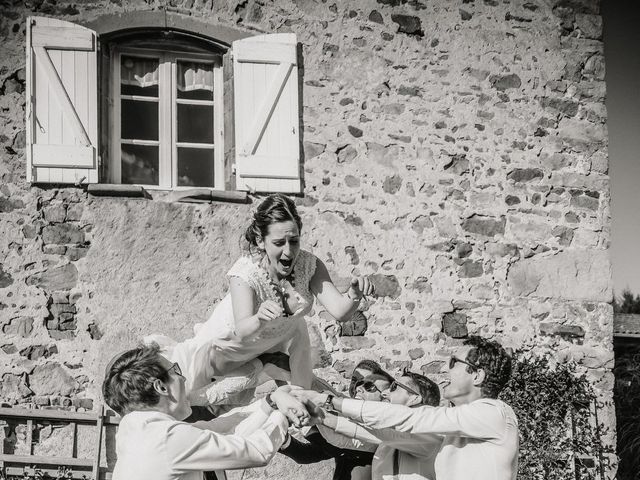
[398, 455]
[152, 445]
[479, 440]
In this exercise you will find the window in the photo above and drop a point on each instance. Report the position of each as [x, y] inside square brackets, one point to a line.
[167, 119]
[164, 112]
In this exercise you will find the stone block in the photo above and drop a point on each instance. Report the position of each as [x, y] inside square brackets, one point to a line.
[349, 344]
[13, 388]
[346, 154]
[525, 174]
[312, 150]
[505, 82]
[74, 212]
[21, 326]
[64, 277]
[94, 331]
[408, 24]
[433, 367]
[562, 330]
[55, 213]
[483, 225]
[76, 253]
[60, 297]
[386, 285]
[392, 184]
[571, 275]
[415, 353]
[5, 278]
[454, 324]
[54, 249]
[470, 269]
[62, 234]
[52, 379]
[9, 348]
[57, 308]
[355, 326]
[62, 335]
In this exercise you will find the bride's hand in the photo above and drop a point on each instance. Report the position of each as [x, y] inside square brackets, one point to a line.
[269, 310]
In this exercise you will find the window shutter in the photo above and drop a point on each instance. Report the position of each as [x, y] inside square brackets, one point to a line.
[62, 102]
[266, 113]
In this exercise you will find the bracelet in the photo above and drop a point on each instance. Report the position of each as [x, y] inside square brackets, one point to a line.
[328, 403]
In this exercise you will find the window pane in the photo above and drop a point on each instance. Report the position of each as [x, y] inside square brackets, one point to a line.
[195, 167]
[195, 123]
[139, 76]
[195, 80]
[140, 164]
[139, 120]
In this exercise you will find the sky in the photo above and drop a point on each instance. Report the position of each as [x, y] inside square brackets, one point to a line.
[621, 19]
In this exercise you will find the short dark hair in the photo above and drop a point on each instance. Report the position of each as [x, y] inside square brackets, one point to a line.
[129, 379]
[491, 357]
[273, 209]
[371, 365]
[428, 389]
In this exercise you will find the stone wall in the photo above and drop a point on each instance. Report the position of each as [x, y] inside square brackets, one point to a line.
[455, 149]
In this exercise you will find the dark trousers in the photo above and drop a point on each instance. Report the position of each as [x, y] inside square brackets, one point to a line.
[319, 449]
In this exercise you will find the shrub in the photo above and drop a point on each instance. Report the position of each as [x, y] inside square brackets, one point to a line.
[560, 437]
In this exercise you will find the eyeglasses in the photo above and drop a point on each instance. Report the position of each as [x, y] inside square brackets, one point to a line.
[454, 360]
[368, 386]
[394, 386]
[176, 369]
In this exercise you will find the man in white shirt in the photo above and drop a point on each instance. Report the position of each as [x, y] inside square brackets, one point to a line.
[153, 443]
[398, 455]
[479, 433]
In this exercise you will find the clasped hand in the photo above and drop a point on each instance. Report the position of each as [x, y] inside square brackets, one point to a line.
[298, 411]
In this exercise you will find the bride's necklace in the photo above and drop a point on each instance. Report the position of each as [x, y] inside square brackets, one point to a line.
[280, 286]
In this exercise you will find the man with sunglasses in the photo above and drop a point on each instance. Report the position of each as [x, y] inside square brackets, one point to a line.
[154, 443]
[368, 381]
[397, 455]
[479, 433]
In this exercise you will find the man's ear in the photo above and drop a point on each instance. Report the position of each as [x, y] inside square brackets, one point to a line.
[160, 387]
[478, 377]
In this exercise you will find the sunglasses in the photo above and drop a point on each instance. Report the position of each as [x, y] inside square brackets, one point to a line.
[394, 386]
[176, 369]
[454, 360]
[367, 385]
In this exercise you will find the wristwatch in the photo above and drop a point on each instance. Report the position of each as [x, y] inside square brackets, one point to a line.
[328, 403]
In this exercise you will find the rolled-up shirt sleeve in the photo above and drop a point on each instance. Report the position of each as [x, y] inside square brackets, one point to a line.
[481, 419]
[190, 448]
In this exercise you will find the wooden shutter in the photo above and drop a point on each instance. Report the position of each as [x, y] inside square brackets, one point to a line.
[62, 102]
[266, 113]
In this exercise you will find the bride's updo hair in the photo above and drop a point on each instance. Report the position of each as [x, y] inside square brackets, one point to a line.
[275, 208]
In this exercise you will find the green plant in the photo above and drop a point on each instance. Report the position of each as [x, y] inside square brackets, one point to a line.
[627, 401]
[559, 434]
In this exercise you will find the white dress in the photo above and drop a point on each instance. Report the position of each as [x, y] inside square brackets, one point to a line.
[287, 333]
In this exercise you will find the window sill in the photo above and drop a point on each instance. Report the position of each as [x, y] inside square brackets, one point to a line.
[192, 195]
[117, 190]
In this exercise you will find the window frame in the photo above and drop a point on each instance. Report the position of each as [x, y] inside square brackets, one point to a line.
[167, 115]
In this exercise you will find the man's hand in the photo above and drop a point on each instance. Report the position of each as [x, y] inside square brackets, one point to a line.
[310, 396]
[292, 407]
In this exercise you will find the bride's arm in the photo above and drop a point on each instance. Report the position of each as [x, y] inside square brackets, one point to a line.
[247, 315]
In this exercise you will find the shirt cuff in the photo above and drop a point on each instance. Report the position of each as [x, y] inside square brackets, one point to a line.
[345, 427]
[352, 408]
